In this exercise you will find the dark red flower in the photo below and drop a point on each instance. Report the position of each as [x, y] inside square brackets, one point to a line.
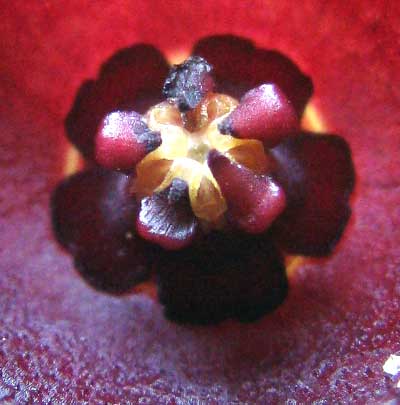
[61, 341]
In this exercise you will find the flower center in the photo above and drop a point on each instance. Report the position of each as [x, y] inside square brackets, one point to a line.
[187, 139]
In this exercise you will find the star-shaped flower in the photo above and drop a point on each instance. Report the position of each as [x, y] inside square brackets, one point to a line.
[206, 191]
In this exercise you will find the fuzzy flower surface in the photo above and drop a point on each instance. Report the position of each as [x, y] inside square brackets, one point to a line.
[336, 336]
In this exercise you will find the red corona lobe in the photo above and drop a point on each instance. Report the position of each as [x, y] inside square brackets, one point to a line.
[264, 113]
[123, 139]
[254, 201]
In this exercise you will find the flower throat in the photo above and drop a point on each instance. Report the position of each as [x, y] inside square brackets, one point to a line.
[187, 138]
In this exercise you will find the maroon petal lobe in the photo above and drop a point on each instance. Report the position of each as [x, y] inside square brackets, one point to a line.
[93, 218]
[123, 139]
[224, 276]
[189, 82]
[239, 67]
[317, 174]
[264, 113]
[131, 79]
[166, 218]
[253, 201]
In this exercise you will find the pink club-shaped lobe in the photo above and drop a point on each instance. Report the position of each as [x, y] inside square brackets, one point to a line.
[254, 201]
[130, 80]
[123, 139]
[264, 113]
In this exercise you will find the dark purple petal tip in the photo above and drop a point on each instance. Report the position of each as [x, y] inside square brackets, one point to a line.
[93, 218]
[166, 218]
[317, 174]
[189, 82]
[225, 276]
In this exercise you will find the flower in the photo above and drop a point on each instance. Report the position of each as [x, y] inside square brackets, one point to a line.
[330, 339]
[191, 183]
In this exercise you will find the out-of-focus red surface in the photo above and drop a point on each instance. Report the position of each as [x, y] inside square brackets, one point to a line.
[60, 340]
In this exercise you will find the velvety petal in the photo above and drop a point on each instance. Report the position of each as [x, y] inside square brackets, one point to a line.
[254, 201]
[222, 277]
[239, 66]
[317, 174]
[166, 218]
[94, 219]
[131, 79]
[123, 139]
[264, 113]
